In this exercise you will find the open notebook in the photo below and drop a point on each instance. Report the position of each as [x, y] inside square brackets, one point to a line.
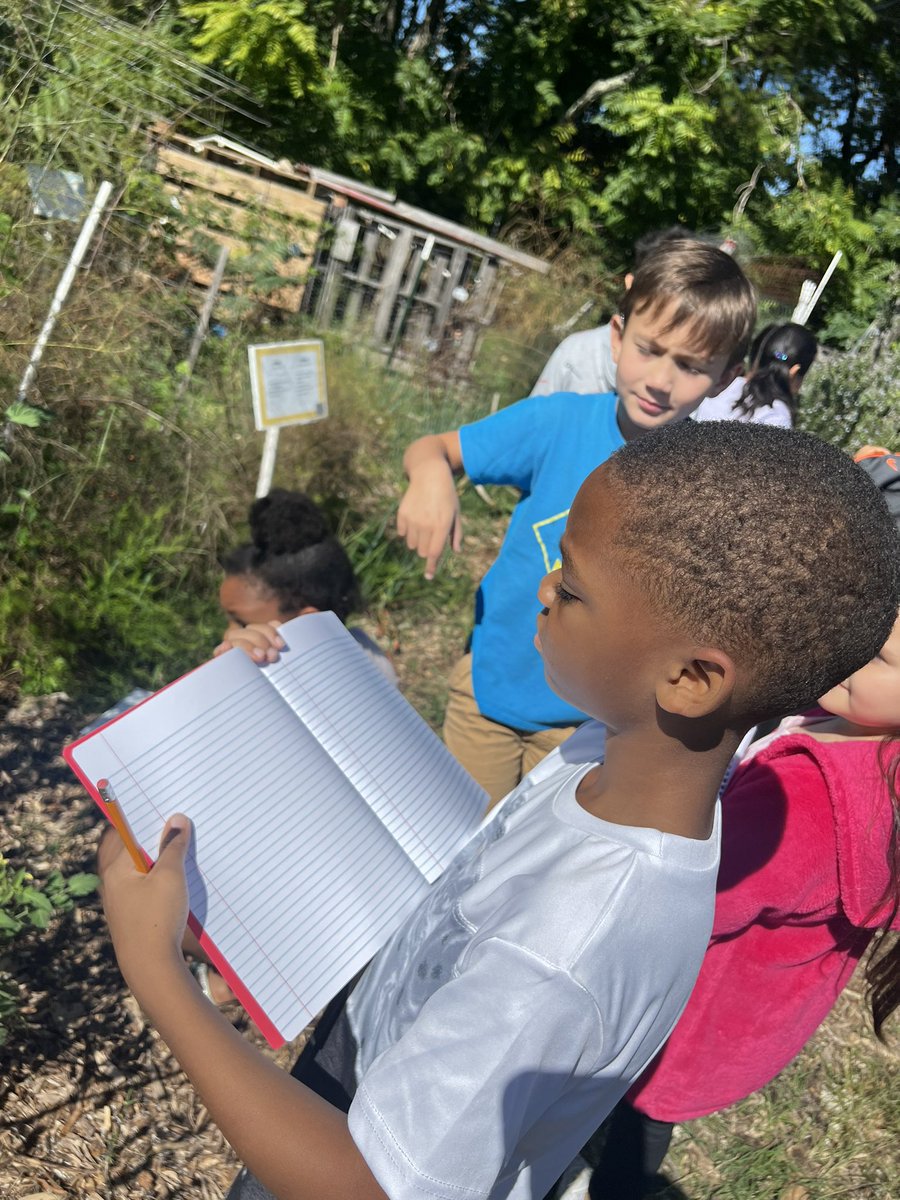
[323, 807]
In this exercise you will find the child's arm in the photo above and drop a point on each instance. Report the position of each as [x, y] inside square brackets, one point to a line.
[428, 516]
[296, 1144]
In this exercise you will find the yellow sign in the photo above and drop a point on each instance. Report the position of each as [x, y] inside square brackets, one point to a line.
[287, 380]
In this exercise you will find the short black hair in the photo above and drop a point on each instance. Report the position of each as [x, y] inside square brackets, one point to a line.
[767, 543]
[294, 556]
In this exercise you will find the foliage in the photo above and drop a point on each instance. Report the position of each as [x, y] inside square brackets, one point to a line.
[75, 89]
[257, 41]
[810, 224]
[853, 399]
[26, 906]
[125, 611]
[99, 557]
[23, 905]
[615, 113]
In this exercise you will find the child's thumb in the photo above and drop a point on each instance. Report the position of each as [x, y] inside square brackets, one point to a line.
[176, 836]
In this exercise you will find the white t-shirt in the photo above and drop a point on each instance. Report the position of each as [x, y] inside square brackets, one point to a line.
[582, 362]
[513, 1009]
[722, 408]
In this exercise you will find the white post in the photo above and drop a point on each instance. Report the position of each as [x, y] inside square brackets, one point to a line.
[807, 288]
[203, 320]
[267, 466]
[62, 288]
[820, 289]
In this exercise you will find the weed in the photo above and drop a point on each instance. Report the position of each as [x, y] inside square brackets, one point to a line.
[27, 906]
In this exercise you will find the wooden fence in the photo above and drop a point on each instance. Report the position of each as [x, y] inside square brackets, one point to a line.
[411, 282]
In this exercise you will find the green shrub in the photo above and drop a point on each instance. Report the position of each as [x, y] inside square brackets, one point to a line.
[853, 398]
[25, 907]
[97, 612]
[390, 577]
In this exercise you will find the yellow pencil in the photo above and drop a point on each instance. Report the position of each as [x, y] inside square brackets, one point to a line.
[120, 823]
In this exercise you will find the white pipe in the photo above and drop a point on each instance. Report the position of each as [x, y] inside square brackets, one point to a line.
[807, 287]
[267, 465]
[65, 283]
[821, 288]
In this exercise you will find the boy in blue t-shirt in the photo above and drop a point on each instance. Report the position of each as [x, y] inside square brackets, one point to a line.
[682, 336]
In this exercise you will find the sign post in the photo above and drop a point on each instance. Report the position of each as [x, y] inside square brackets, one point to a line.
[287, 380]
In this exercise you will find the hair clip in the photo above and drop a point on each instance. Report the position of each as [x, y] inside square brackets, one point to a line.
[781, 355]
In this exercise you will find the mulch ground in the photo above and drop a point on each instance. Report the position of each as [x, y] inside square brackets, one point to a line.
[92, 1105]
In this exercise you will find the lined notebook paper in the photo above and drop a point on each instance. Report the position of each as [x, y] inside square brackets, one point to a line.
[323, 806]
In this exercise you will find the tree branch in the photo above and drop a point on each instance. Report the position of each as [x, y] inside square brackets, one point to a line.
[745, 191]
[717, 74]
[335, 39]
[600, 87]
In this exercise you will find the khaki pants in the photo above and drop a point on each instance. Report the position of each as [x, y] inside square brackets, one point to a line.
[497, 756]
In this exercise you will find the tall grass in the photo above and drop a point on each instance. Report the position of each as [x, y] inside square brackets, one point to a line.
[117, 506]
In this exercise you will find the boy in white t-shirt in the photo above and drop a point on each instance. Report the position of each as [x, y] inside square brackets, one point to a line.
[548, 965]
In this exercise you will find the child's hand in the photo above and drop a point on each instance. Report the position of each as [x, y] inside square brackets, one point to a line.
[262, 642]
[428, 516]
[146, 914]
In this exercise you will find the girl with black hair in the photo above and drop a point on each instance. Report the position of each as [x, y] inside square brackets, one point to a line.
[292, 566]
[780, 356]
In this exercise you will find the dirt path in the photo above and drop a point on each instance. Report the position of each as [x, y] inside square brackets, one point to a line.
[92, 1104]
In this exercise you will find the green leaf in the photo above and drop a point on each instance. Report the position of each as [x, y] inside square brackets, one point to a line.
[21, 413]
[38, 902]
[82, 884]
[9, 926]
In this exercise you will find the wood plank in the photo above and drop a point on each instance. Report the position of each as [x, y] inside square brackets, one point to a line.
[234, 219]
[286, 298]
[477, 314]
[457, 266]
[389, 284]
[360, 281]
[205, 148]
[238, 185]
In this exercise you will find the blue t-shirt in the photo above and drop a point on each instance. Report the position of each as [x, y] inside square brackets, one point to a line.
[546, 446]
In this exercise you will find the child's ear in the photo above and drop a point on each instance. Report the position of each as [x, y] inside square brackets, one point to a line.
[616, 329]
[728, 376]
[697, 686]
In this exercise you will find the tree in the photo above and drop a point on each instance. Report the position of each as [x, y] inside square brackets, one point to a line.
[582, 115]
[259, 40]
[73, 89]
